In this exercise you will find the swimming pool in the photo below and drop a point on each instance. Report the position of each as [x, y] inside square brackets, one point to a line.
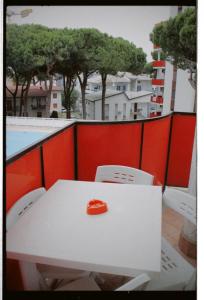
[18, 140]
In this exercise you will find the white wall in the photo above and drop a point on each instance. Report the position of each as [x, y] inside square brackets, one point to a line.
[57, 101]
[116, 99]
[90, 114]
[185, 93]
[120, 100]
[146, 85]
[167, 88]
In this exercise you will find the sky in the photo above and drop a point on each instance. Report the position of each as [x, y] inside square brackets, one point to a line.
[133, 23]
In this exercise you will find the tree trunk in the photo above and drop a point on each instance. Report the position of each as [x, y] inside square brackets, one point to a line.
[21, 101]
[26, 97]
[14, 94]
[103, 77]
[68, 101]
[49, 90]
[68, 83]
[83, 84]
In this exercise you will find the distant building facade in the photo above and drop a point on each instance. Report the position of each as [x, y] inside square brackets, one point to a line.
[36, 101]
[118, 105]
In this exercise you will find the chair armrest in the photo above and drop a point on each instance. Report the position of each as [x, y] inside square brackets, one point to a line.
[134, 283]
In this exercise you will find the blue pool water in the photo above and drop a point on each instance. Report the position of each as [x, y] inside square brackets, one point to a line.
[18, 140]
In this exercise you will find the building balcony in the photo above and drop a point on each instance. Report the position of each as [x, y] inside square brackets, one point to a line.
[158, 64]
[156, 47]
[157, 99]
[158, 145]
[158, 82]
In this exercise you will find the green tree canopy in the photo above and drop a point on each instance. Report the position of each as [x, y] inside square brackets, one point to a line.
[177, 38]
[155, 55]
[148, 69]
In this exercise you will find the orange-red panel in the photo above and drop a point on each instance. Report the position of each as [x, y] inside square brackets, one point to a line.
[117, 144]
[155, 147]
[58, 156]
[182, 138]
[157, 81]
[158, 63]
[22, 176]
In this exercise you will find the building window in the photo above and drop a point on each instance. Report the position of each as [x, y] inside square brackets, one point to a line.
[54, 95]
[116, 111]
[39, 114]
[106, 111]
[124, 111]
[124, 88]
[118, 88]
[139, 88]
[54, 105]
[9, 105]
[97, 88]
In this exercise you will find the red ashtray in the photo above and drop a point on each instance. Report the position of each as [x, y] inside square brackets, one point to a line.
[96, 207]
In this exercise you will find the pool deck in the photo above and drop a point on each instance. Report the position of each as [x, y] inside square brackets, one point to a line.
[31, 128]
[36, 124]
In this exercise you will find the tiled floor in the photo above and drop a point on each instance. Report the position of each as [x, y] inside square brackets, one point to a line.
[171, 227]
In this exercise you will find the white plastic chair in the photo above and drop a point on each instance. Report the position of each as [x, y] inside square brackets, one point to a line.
[89, 284]
[49, 273]
[176, 273]
[123, 174]
[22, 206]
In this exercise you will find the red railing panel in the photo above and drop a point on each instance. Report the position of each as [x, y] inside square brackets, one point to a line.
[58, 157]
[155, 147]
[158, 64]
[117, 144]
[158, 82]
[182, 138]
[22, 176]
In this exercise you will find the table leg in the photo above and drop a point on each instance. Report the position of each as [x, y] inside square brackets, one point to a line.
[32, 279]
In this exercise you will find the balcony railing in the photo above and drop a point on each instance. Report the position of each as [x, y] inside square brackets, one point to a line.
[157, 99]
[158, 64]
[68, 152]
[159, 82]
[159, 146]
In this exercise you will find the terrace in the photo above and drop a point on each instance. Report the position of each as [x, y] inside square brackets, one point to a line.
[161, 146]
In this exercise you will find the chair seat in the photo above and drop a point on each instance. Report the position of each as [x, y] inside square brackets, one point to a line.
[175, 273]
[48, 271]
[83, 284]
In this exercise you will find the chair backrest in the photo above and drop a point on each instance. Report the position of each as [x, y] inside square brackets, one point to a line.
[182, 202]
[123, 174]
[22, 205]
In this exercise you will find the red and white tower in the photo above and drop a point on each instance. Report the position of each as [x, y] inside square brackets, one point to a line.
[158, 82]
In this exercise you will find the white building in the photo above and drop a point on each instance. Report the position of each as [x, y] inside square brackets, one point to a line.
[123, 81]
[119, 105]
[56, 99]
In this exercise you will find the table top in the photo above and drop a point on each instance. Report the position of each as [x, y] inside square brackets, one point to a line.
[56, 230]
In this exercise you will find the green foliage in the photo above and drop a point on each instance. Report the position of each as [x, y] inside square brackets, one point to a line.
[148, 69]
[177, 37]
[35, 50]
[155, 55]
[73, 98]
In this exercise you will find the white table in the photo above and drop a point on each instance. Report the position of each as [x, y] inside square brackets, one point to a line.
[126, 240]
